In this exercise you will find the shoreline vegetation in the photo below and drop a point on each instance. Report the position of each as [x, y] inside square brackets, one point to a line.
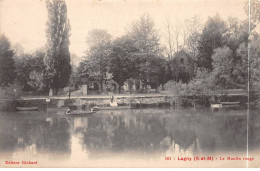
[133, 100]
[214, 59]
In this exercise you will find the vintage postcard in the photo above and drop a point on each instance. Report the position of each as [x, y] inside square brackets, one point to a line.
[130, 83]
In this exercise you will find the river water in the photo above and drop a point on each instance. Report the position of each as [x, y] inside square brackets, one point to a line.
[129, 138]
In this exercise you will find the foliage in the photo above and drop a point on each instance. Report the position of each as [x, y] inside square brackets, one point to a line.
[222, 67]
[151, 66]
[242, 68]
[237, 33]
[145, 36]
[123, 63]
[135, 55]
[202, 84]
[36, 75]
[8, 94]
[212, 37]
[30, 69]
[152, 69]
[96, 62]
[98, 37]
[7, 64]
[192, 36]
[13, 91]
[57, 58]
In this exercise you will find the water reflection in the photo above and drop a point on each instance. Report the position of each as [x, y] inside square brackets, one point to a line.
[146, 133]
[33, 133]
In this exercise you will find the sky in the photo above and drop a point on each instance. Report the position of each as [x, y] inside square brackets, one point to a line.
[24, 21]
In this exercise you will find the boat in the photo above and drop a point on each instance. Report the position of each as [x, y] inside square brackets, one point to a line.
[80, 112]
[27, 108]
[229, 103]
[95, 108]
[114, 107]
[225, 104]
[216, 105]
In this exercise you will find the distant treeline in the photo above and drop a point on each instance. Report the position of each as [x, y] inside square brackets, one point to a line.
[212, 56]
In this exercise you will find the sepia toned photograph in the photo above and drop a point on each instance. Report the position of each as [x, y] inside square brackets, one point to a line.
[129, 83]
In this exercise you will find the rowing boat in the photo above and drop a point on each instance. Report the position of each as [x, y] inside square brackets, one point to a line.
[114, 107]
[216, 105]
[80, 112]
[225, 104]
[230, 103]
[27, 108]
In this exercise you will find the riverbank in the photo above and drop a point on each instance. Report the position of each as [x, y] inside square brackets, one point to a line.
[136, 100]
[133, 100]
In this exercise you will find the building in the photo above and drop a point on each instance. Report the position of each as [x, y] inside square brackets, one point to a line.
[182, 66]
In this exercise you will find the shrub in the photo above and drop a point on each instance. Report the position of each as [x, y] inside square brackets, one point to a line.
[8, 96]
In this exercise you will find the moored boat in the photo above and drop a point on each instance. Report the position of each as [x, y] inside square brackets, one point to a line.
[225, 104]
[229, 103]
[114, 107]
[27, 108]
[216, 105]
[95, 108]
[80, 112]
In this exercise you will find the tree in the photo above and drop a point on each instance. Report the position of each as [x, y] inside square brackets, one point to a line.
[173, 34]
[241, 69]
[123, 63]
[23, 68]
[30, 69]
[193, 31]
[146, 40]
[145, 36]
[57, 58]
[173, 44]
[7, 64]
[151, 69]
[223, 67]
[96, 59]
[237, 33]
[98, 37]
[212, 37]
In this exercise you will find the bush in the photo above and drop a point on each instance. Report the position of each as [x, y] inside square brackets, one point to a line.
[201, 87]
[10, 92]
[202, 84]
[8, 95]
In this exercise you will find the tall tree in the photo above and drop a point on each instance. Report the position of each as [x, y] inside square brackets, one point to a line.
[173, 35]
[145, 36]
[191, 40]
[123, 62]
[96, 63]
[57, 58]
[7, 64]
[30, 69]
[242, 68]
[146, 40]
[193, 30]
[212, 37]
[222, 67]
[237, 33]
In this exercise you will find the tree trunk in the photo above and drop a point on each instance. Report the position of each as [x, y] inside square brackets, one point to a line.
[119, 89]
